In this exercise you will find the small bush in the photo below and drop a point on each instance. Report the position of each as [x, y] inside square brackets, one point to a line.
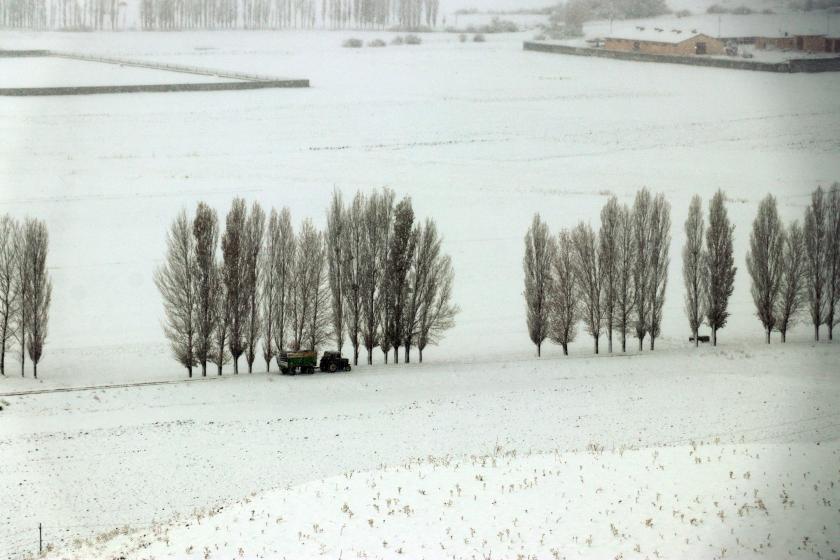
[716, 9]
[683, 13]
[462, 37]
[742, 11]
[353, 44]
[540, 37]
[377, 43]
[479, 38]
[398, 40]
[413, 40]
[768, 12]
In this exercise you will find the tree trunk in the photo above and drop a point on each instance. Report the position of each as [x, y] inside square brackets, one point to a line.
[596, 343]
[3, 362]
[714, 336]
[696, 338]
[623, 341]
[369, 357]
[250, 367]
[407, 358]
[538, 350]
[830, 332]
[236, 365]
[641, 347]
[35, 370]
[396, 355]
[609, 341]
[565, 349]
[783, 336]
[767, 335]
[189, 370]
[420, 352]
[356, 355]
[22, 360]
[652, 339]
[204, 369]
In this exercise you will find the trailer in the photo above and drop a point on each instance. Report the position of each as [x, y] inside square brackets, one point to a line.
[298, 362]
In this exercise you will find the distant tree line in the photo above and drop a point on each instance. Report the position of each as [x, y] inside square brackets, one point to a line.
[61, 14]
[795, 270]
[375, 277]
[577, 12]
[221, 14]
[25, 291]
[612, 280]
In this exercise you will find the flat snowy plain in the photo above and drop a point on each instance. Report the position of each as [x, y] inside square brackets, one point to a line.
[481, 136]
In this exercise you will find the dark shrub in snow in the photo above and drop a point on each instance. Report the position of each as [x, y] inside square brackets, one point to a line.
[479, 38]
[352, 44]
[413, 40]
[377, 43]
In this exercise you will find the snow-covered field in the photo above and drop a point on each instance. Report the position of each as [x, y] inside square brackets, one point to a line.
[57, 72]
[89, 464]
[481, 136]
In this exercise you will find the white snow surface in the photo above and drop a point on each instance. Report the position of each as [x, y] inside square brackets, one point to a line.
[34, 72]
[481, 136]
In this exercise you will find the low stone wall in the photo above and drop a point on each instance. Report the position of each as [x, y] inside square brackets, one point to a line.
[244, 81]
[139, 88]
[16, 54]
[798, 65]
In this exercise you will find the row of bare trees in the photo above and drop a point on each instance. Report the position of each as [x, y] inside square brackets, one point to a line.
[287, 14]
[220, 14]
[612, 280]
[390, 283]
[25, 290]
[708, 268]
[374, 277]
[796, 269]
[61, 14]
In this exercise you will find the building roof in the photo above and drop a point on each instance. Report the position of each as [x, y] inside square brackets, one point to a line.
[651, 35]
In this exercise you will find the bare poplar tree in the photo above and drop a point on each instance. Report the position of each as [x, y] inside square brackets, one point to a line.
[22, 282]
[421, 280]
[563, 300]
[719, 268]
[220, 355]
[254, 233]
[400, 259]
[234, 266]
[40, 290]
[283, 265]
[336, 262]
[588, 279]
[437, 310]
[815, 251]
[177, 284]
[792, 290]
[353, 271]
[694, 267]
[660, 244]
[832, 259]
[316, 288]
[626, 290]
[539, 256]
[8, 295]
[641, 267]
[378, 224]
[608, 255]
[764, 262]
[206, 233]
[268, 286]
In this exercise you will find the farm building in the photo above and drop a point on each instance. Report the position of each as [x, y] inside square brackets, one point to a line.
[661, 41]
[807, 43]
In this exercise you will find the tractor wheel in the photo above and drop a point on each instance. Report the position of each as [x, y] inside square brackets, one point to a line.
[333, 367]
[347, 368]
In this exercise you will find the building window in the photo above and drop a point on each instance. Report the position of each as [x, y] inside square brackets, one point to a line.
[700, 48]
[635, 45]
